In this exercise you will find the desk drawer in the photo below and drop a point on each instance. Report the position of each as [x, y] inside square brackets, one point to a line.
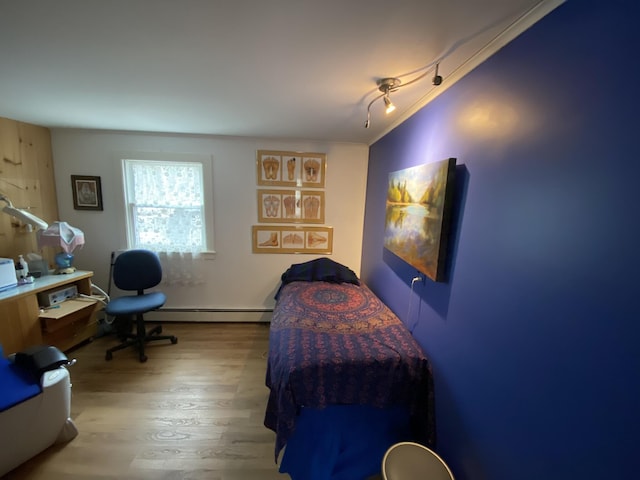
[72, 333]
[66, 313]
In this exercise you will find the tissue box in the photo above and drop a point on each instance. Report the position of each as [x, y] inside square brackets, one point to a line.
[8, 278]
[38, 268]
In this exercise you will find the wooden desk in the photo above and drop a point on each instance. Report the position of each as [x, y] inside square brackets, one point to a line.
[23, 323]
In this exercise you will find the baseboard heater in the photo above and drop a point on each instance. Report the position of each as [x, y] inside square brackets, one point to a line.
[210, 315]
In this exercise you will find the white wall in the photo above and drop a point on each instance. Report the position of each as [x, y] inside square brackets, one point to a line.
[235, 278]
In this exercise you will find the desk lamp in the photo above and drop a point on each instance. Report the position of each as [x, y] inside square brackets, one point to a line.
[61, 234]
[22, 215]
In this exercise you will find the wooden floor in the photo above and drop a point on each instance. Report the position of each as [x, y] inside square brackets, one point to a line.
[193, 411]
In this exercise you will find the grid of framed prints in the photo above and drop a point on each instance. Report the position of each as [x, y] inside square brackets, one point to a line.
[300, 200]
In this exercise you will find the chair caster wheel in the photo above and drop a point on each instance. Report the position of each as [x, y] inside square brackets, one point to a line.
[174, 340]
[108, 356]
[143, 358]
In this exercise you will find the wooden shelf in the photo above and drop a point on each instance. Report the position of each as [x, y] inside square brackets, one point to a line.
[69, 311]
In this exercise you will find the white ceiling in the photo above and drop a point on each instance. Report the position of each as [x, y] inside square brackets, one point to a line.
[291, 69]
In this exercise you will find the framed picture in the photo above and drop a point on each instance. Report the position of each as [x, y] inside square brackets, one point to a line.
[87, 192]
[417, 216]
[291, 169]
[290, 206]
[292, 239]
[313, 170]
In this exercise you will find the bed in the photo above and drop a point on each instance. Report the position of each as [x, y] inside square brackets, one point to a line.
[346, 378]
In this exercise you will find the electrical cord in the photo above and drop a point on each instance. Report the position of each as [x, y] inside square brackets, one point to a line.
[103, 298]
[102, 292]
[413, 282]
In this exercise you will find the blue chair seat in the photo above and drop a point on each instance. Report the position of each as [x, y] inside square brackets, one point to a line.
[133, 304]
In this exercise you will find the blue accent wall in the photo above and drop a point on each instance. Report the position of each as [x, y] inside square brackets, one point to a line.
[535, 336]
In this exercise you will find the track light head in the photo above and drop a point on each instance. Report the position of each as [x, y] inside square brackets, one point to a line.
[389, 107]
[385, 85]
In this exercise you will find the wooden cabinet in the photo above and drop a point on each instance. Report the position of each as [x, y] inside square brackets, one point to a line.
[19, 325]
[23, 323]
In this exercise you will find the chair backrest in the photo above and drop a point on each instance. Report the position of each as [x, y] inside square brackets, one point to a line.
[412, 461]
[137, 270]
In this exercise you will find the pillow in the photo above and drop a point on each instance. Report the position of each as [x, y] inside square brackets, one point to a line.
[321, 269]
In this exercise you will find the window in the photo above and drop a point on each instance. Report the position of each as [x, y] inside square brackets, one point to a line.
[167, 203]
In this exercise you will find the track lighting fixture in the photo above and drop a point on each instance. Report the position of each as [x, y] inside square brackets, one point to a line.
[386, 86]
[391, 84]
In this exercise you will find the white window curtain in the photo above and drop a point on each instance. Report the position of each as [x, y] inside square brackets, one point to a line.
[166, 214]
[181, 269]
[166, 204]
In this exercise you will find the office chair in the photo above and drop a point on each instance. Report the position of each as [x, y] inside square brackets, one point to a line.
[412, 461]
[137, 270]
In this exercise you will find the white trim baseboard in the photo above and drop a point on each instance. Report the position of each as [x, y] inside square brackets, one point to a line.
[209, 315]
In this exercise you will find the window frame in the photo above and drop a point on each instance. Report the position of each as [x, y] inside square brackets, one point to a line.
[172, 157]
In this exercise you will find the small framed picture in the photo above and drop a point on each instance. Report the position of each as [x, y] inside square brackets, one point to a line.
[87, 192]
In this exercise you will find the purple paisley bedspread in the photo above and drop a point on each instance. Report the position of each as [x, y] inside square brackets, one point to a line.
[338, 344]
